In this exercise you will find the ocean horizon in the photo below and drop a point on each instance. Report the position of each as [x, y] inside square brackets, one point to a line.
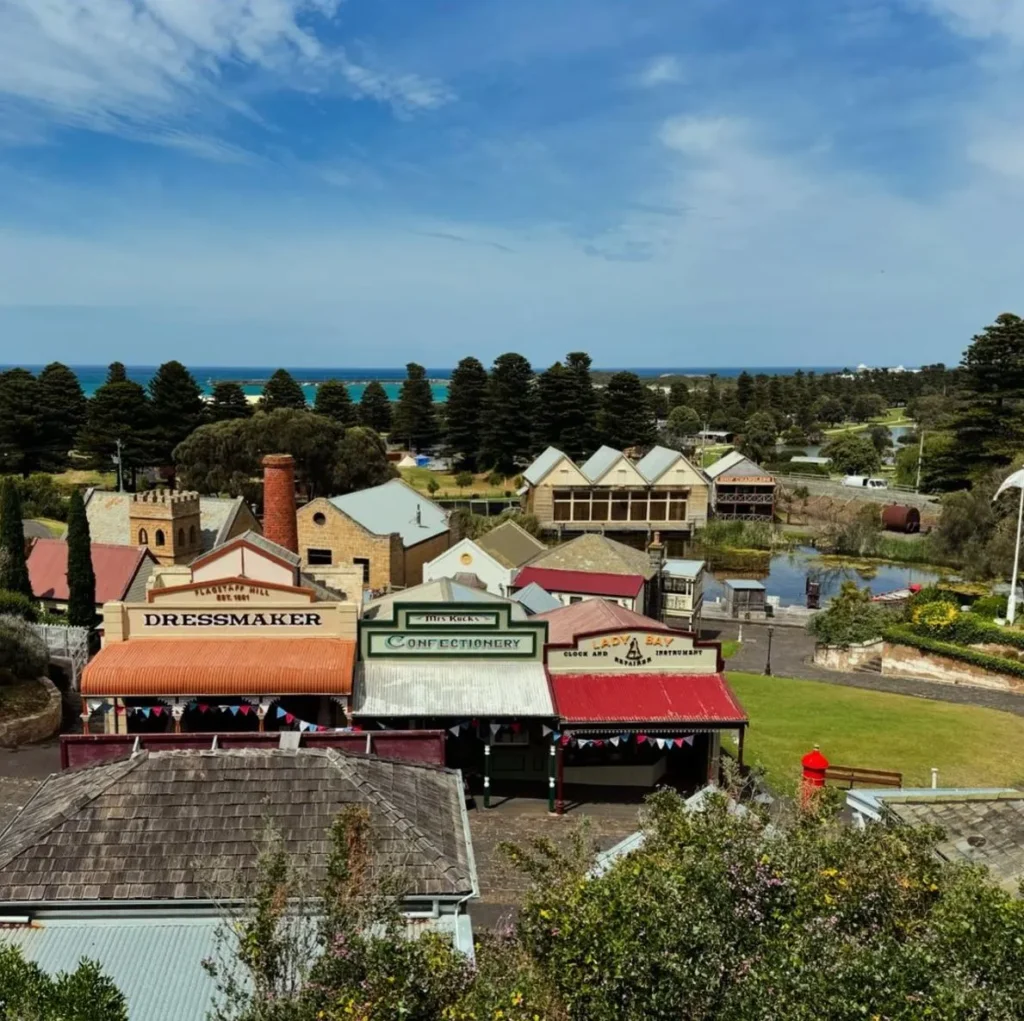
[252, 378]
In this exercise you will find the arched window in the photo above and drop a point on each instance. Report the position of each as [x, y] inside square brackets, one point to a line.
[191, 535]
[143, 537]
[159, 537]
[181, 536]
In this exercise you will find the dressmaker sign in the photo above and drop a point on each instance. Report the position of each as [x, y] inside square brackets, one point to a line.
[452, 631]
[639, 652]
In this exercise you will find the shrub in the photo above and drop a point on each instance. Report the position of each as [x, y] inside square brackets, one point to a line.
[14, 604]
[934, 618]
[989, 607]
[850, 618]
[901, 634]
[23, 654]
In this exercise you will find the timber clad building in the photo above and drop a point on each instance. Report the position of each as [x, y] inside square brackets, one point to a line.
[662, 491]
[741, 489]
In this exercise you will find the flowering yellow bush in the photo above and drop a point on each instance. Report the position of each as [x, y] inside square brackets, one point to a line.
[936, 615]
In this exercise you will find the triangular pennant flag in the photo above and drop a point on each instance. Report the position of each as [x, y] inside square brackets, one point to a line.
[355, 730]
[641, 739]
[145, 712]
[288, 718]
[456, 730]
[280, 712]
[659, 742]
[234, 709]
[158, 710]
[495, 727]
[94, 704]
[679, 742]
[624, 738]
[244, 710]
[120, 710]
[688, 739]
[555, 736]
[320, 728]
[203, 707]
[565, 739]
[516, 726]
[614, 741]
[545, 729]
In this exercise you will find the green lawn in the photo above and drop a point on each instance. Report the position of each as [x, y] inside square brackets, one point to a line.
[57, 528]
[420, 479]
[893, 416]
[730, 648]
[857, 727]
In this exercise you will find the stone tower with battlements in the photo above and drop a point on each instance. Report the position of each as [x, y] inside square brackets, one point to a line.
[167, 524]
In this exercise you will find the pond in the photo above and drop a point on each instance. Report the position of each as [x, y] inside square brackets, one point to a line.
[785, 574]
[814, 449]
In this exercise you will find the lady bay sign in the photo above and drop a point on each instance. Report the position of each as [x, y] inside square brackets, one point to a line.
[636, 652]
[454, 630]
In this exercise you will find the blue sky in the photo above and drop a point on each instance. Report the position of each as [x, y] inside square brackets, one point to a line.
[364, 182]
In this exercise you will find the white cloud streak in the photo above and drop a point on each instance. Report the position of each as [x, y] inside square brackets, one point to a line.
[982, 19]
[661, 70]
[118, 65]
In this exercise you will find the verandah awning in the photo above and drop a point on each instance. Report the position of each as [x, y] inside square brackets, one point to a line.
[226, 666]
[698, 699]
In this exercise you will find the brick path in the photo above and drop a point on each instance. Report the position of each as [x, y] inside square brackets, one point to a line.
[793, 648]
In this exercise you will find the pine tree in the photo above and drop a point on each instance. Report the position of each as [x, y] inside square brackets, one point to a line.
[333, 400]
[555, 394]
[626, 419]
[744, 389]
[228, 401]
[508, 429]
[375, 408]
[13, 567]
[19, 422]
[580, 436]
[467, 396]
[678, 394]
[176, 409]
[62, 409]
[119, 410]
[81, 578]
[415, 424]
[362, 461]
[282, 391]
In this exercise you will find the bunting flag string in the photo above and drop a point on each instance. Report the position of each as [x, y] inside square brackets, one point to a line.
[316, 727]
[615, 740]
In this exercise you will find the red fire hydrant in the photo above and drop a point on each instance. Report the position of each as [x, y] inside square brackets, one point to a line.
[814, 766]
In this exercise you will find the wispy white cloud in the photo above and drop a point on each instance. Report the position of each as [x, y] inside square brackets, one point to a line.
[109, 65]
[982, 19]
[662, 70]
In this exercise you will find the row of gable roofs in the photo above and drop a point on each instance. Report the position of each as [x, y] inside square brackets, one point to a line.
[598, 468]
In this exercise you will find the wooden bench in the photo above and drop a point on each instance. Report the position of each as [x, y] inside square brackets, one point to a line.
[848, 777]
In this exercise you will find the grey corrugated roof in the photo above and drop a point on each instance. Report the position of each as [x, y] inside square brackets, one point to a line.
[442, 590]
[452, 689]
[186, 825]
[108, 515]
[716, 468]
[536, 599]
[682, 568]
[735, 463]
[269, 546]
[656, 462]
[394, 507]
[542, 464]
[738, 584]
[599, 462]
[137, 589]
[510, 544]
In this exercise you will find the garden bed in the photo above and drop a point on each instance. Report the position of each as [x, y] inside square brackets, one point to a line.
[30, 711]
[21, 698]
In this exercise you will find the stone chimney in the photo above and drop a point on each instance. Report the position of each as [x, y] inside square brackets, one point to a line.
[656, 553]
[279, 523]
[654, 598]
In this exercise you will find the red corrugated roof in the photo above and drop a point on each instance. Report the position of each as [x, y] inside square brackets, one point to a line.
[222, 666]
[585, 583]
[591, 616]
[114, 567]
[645, 698]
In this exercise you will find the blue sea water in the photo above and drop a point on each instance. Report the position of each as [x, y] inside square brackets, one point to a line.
[252, 378]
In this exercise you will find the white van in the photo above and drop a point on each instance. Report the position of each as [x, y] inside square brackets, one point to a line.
[864, 482]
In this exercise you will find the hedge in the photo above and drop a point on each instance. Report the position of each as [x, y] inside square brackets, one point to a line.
[903, 635]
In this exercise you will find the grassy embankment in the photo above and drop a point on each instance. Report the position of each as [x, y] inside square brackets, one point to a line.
[420, 478]
[969, 746]
[892, 416]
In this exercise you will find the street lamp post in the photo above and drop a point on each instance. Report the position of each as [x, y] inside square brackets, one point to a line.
[1014, 481]
[768, 661]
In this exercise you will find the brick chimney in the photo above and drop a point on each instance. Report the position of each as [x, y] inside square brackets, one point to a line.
[279, 524]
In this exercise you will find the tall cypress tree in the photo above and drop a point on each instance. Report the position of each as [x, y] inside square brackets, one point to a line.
[176, 409]
[415, 423]
[678, 394]
[62, 408]
[744, 390]
[580, 435]
[333, 400]
[119, 410]
[13, 567]
[282, 391]
[81, 578]
[626, 416]
[555, 396]
[511, 400]
[467, 396]
[375, 408]
[228, 401]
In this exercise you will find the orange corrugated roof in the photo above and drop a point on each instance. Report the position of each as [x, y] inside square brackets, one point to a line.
[222, 666]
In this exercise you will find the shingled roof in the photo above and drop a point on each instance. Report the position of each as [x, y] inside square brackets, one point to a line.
[187, 825]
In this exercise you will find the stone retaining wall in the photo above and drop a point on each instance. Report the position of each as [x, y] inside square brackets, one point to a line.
[832, 657]
[39, 725]
[903, 660]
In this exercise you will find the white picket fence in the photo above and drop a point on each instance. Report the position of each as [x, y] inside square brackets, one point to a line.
[67, 643]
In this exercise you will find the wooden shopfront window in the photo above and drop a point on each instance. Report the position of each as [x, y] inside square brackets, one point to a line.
[677, 505]
[563, 504]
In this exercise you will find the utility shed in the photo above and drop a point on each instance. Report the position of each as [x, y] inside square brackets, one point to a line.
[744, 596]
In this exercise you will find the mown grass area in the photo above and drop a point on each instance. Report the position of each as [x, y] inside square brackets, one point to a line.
[892, 416]
[84, 477]
[19, 698]
[55, 527]
[730, 648]
[447, 486]
[970, 746]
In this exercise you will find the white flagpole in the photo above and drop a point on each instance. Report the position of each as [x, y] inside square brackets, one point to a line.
[1011, 603]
